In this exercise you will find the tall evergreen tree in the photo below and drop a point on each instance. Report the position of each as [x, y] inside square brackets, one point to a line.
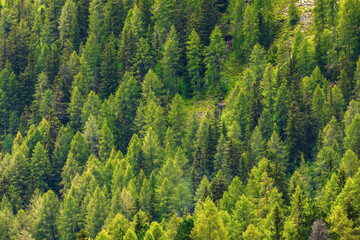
[214, 58]
[170, 61]
[194, 64]
[109, 69]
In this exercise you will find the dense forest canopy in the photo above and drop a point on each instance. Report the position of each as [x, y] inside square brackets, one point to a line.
[179, 119]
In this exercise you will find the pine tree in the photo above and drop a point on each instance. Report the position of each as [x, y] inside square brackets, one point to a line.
[350, 163]
[106, 143]
[319, 110]
[220, 153]
[208, 223]
[250, 31]
[135, 155]
[109, 69]
[251, 233]
[82, 18]
[231, 163]
[80, 149]
[114, 17]
[18, 46]
[163, 18]
[281, 110]
[19, 176]
[143, 61]
[352, 140]
[204, 17]
[67, 20]
[214, 58]
[46, 216]
[118, 226]
[152, 85]
[40, 168]
[295, 135]
[92, 134]
[130, 235]
[96, 212]
[266, 124]
[176, 117]
[195, 62]
[348, 24]
[125, 104]
[127, 46]
[69, 171]
[96, 18]
[91, 106]
[170, 61]
[343, 227]
[152, 151]
[103, 235]
[74, 109]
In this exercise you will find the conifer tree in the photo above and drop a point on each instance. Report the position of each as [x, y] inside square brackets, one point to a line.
[96, 212]
[19, 176]
[80, 149]
[163, 17]
[143, 61]
[92, 134]
[74, 110]
[350, 163]
[352, 139]
[130, 235]
[96, 18]
[67, 20]
[170, 61]
[195, 61]
[204, 18]
[281, 110]
[106, 143]
[343, 227]
[91, 106]
[208, 223]
[127, 46]
[109, 69]
[214, 58]
[70, 170]
[135, 155]
[118, 226]
[295, 135]
[125, 104]
[40, 168]
[114, 17]
[231, 163]
[348, 24]
[177, 118]
[46, 216]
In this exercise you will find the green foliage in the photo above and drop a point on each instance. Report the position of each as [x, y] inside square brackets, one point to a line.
[214, 58]
[237, 119]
